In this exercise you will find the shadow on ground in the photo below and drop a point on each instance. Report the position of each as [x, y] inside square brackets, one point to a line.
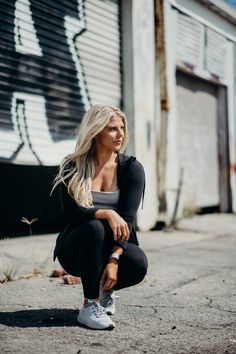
[40, 318]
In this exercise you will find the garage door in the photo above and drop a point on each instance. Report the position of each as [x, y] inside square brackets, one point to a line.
[197, 141]
[57, 58]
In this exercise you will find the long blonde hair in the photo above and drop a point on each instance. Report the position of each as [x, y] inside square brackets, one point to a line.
[78, 167]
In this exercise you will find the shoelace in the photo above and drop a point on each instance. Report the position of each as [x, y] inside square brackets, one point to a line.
[97, 309]
[107, 298]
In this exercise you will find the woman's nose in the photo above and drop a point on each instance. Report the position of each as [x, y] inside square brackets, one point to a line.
[120, 132]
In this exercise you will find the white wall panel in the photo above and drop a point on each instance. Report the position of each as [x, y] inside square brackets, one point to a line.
[188, 38]
[215, 53]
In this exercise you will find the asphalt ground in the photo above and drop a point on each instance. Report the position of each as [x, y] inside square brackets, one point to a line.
[186, 304]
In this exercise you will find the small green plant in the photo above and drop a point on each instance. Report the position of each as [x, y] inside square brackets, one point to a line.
[29, 222]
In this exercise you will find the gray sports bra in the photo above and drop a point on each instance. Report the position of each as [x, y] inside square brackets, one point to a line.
[106, 200]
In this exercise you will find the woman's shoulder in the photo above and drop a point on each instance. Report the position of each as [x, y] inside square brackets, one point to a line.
[130, 162]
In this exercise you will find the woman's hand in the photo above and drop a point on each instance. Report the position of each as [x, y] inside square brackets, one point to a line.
[118, 225]
[110, 275]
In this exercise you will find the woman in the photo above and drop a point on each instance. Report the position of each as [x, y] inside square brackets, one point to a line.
[101, 190]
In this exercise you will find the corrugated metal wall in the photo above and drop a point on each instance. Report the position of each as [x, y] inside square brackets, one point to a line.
[200, 48]
[216, 53]
[57, 58]
[188, 41]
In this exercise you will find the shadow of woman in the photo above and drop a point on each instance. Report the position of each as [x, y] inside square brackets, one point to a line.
[40, 318]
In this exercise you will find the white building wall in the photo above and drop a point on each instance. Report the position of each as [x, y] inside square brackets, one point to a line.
[223, 29]
[230, 78]
[139, 97]
[172, 159]
[144, 105]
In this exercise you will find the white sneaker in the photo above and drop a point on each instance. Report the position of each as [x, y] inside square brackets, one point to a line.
[94, 316]
[107, 300]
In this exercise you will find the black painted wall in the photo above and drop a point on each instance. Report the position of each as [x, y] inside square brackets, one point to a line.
[25, 192]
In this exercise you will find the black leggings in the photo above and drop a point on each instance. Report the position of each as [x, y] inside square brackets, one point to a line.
[85, 253]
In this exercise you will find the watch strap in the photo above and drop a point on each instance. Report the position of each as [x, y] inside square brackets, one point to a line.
[115, 255]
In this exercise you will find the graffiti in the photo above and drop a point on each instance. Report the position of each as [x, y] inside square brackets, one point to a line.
[46, 92]
[26, 40]
[34, 139]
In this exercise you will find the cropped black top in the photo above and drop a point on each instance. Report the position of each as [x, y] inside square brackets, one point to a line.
[131, 183]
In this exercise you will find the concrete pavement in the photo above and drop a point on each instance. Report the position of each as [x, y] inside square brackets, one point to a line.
[186, 304]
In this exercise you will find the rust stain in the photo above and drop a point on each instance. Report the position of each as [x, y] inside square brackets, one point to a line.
[161, 52]
[233, 167]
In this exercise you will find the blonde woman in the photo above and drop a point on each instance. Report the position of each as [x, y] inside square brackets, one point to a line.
[101, 189]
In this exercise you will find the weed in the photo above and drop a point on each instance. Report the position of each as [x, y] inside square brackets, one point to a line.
[29, 222]
[9, 271]
[41, 267]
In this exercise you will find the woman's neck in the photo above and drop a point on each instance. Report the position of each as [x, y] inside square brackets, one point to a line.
[104, 157]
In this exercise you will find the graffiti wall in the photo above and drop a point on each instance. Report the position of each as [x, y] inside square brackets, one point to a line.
[57, 58]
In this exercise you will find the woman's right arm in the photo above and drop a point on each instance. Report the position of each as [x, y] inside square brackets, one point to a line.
[118, 225]
[77, 214]
[74, 213]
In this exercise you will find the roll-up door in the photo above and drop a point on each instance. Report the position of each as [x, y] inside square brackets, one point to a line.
[197, 141]
[57, 59]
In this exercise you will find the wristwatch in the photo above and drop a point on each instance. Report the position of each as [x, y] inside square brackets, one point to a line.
[115, 255]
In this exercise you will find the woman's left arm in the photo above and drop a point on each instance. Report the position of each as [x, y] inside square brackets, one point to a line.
[132, 192]
[131, 196]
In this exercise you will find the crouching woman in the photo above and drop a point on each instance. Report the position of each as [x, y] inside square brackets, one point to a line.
[100, 190]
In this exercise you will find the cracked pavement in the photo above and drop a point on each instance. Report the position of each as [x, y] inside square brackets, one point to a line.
[186, 304]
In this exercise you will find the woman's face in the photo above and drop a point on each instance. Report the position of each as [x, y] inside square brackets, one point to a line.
[112, 136]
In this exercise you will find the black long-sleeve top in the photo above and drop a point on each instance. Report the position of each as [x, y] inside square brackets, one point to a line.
[131, 182]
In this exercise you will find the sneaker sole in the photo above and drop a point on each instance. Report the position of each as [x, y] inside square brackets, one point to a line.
[109, 328]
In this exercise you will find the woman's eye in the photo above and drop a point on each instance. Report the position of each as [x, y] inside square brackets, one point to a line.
[114, 129]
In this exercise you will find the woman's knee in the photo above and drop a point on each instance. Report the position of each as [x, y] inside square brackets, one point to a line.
[137, 269]
[141, 267]
[138, 262]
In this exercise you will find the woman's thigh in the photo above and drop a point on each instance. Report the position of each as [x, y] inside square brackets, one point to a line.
[79, 244]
